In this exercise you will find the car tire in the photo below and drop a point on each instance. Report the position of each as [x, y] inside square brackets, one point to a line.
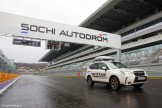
[137, 86]
[114, 83]
[90, 81]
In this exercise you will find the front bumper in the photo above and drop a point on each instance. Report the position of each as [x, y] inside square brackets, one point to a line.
[135, 80]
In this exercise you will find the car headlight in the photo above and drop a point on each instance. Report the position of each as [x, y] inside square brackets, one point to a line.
[127, 72]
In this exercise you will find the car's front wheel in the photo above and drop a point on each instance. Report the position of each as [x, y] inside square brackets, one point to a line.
[114, 83]
[90, 81]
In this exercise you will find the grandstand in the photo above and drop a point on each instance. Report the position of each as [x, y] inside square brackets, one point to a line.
[139, 22]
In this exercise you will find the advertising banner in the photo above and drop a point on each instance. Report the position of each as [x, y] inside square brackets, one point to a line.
[35, 28]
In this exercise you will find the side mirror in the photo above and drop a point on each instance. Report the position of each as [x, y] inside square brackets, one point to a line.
[103, 68]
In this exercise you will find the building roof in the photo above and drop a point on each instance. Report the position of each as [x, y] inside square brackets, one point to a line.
[115, 14]
[112, 16]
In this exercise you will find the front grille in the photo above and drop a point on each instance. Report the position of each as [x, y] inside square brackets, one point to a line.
[139, 73]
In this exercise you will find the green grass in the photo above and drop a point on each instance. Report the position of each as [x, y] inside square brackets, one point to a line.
[155, 77]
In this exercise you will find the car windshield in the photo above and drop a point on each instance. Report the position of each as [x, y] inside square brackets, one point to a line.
[119, 65]
[111, 65]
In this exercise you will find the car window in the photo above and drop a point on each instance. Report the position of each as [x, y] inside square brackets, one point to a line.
[111, 65]
[94, 66]
[119, 65]
[103, 65]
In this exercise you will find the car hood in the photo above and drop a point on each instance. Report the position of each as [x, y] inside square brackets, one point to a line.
[130, 69]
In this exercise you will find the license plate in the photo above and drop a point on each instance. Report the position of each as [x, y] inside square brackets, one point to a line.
[141, 78]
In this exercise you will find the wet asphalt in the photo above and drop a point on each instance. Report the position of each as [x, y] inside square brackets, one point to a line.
[55, 92]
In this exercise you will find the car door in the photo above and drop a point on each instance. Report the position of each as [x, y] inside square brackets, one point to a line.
[93, 69]
[102, 73]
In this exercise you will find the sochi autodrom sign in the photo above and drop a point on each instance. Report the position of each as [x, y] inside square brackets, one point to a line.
[35, 28]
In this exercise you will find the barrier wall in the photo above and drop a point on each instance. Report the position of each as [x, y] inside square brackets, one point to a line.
[71, 72]
[151, 70]
[7, 76]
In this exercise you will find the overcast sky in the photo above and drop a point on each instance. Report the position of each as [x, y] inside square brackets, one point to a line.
[72, 12]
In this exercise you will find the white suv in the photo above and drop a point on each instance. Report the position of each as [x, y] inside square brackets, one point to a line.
[115, 74]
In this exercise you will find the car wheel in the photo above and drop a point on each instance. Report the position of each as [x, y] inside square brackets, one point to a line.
[89, 81]
[114, 83]
[137, 85]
